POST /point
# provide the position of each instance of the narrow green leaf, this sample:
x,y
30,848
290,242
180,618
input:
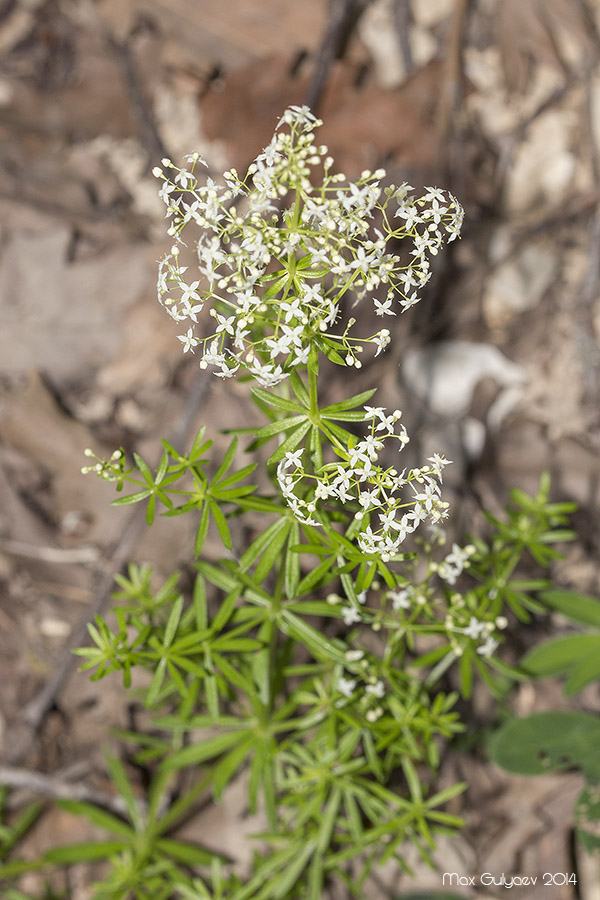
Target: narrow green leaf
x,y
221,524
292,561
277,427
212,696
230,764
290,876
202,751
353,815
290,443
199,602
202,530
227,460
173,621
315,878
97,816
225,610
232,675
314,608
350,416
272,552
144,468
75,853
299,388
150,509
466,672
261,542
313,578
372,756
328,819
350,403
159,677
234,478
119,777
275,401
199,445
182,851
131,498
310,637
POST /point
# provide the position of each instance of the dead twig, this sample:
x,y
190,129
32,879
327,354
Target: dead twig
x,y
588,347
34,713
343,16
59,788
142,108
59,555
452,83
402,20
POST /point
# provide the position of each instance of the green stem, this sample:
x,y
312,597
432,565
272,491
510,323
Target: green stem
x,y
313,374
274,631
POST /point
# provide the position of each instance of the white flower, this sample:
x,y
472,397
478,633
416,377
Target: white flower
x,y
474,629
346,686
381,340
377,689
401,599
385,308
350,615
488,648
188,340
293,458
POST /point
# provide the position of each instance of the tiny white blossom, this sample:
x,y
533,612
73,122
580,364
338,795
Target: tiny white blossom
x,y
350,615
346,686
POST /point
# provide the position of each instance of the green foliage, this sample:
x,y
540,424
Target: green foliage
x,y
558,740
258,670
324,652
577,655
553,742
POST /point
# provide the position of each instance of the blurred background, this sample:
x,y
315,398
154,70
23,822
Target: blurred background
x,y
498,366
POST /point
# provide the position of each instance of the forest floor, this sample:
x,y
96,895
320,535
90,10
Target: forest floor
x,y
498,367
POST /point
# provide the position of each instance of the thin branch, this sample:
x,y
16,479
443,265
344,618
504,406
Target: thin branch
x,y
343,16
59,555
453,78
402,21
142,108
59,788
36,710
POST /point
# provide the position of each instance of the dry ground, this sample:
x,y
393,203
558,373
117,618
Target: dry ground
x,y
499,366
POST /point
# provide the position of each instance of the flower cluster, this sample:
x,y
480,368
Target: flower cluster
x,y
455,563
108,469
362,683
397,502
276,253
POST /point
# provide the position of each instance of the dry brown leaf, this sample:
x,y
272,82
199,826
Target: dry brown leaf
x,y
539,31
365,126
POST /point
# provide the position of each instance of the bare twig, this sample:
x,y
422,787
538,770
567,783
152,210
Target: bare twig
x,y
143,110
35,711
452,82
58,555
402,21
59,788
588,347
344,14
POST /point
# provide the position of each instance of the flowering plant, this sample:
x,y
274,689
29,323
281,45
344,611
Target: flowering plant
x,y
313,658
